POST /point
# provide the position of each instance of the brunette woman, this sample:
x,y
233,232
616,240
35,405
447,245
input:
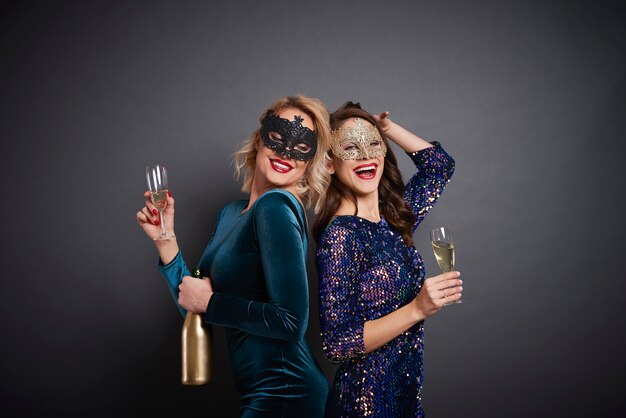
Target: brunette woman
x,y
373,297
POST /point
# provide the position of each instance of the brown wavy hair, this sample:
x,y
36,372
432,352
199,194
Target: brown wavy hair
x,y
390,189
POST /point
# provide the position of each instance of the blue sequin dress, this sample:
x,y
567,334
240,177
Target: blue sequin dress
x,y
366,272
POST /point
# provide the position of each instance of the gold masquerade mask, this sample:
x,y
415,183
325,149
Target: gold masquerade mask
x,y
361,141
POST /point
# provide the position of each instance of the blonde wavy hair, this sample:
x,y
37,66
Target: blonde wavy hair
x,y
313,184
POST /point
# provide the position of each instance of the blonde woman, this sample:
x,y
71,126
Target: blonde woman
x,y
256,279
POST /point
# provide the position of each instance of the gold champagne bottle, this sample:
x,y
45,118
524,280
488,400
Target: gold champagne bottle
x,y
197,353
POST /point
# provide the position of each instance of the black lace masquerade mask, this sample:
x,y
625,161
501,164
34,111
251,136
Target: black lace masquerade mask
x,y
288,138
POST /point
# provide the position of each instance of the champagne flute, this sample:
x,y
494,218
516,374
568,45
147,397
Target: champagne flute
x,y
157,185
443,247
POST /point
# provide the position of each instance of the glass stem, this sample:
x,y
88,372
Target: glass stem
x,y
162,223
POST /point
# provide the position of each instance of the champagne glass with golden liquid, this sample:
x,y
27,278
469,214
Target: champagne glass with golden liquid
x,y
443,247
156,175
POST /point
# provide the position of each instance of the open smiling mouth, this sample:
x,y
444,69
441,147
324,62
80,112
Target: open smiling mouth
x,y
366,171
280,165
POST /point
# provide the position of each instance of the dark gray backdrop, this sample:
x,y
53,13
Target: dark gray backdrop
x,y
528,96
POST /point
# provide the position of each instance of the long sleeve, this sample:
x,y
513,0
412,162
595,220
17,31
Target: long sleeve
x,y
434,170
338,268
174,271
281,238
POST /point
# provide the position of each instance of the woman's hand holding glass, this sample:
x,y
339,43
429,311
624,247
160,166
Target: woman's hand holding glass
x,y
157,222
149,220
159,196
437,292
444,250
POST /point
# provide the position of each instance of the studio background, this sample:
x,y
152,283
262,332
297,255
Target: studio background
x,y
527,96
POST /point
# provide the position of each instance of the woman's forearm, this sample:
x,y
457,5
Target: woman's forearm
x,y
407,140
167,249
379,332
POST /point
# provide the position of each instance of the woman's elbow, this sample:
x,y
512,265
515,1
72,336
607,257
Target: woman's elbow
x,y
333,355
337,351
289,328
293,333
450,166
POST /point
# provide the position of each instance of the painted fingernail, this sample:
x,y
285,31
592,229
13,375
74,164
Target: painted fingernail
x,y
156,222
154,211
169,193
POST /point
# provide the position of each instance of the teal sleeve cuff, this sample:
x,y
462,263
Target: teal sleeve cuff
x,y
173,272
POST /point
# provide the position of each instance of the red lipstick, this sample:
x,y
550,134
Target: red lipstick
x,y
280,166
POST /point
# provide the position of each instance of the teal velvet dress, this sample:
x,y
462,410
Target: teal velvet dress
x,y
257,264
